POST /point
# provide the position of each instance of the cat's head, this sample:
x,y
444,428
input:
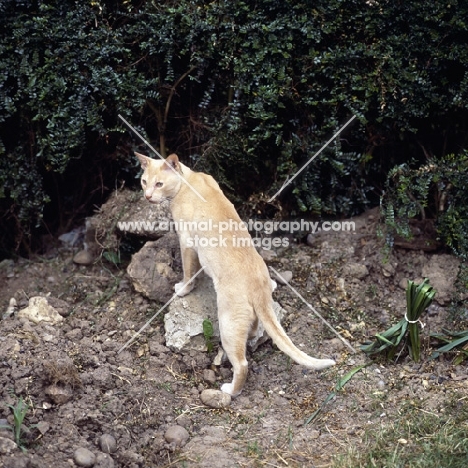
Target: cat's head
x,y
161,179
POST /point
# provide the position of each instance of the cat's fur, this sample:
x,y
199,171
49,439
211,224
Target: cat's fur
x,y
240,276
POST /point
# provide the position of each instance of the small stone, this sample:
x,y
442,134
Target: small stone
x,y
59,395
84,257
107,443
215,398
380,384
43,427
283,277
388,269
104,460
209,376
355,270
176,435
7,446
84,457
403,284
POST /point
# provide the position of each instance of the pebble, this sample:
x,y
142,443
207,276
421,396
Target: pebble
x,y
209,376
84,457
215,398
107,443
176,435
104,460
84,257
355,270
7,446
284,277
59,395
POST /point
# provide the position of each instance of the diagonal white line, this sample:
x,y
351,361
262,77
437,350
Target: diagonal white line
x,y
138,333
134,130
298,294
288,181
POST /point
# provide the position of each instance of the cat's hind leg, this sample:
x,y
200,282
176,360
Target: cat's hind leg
x,y
235,326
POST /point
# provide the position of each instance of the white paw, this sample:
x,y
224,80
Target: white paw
x,y
227,388
273,285
182,289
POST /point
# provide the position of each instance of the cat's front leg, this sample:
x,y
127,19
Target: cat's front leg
x,y
191,266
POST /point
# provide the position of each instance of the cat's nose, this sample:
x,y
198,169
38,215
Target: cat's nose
x,y
148,196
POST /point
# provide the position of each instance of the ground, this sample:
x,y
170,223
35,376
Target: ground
x,y
79,388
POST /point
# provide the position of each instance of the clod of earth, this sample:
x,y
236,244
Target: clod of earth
x,y
176,435
215,398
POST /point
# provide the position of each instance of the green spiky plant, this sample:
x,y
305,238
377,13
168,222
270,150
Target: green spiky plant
x,y
19,413
418,299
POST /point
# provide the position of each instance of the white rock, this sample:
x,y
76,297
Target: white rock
x,y
184,321
39,310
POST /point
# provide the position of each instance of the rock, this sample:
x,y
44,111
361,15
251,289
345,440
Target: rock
x,y
84,257
355,270
59,395
151,221
84,457
403,283
39,310
215,398
104,460
107,443
389,269
284,277
7,446
176,435
184,321
150,269
209,376
11,309
43,427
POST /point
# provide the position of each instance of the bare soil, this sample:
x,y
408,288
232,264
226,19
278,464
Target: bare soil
x,y
135,396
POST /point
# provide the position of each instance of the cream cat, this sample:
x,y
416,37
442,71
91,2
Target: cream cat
x,y
240,276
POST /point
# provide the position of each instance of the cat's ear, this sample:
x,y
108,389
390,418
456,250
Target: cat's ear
x,y
144,160
173,161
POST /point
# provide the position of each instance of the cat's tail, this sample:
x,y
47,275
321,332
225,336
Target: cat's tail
x,y
264,309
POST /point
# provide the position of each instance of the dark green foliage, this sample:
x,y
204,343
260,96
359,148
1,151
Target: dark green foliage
x,y
246,91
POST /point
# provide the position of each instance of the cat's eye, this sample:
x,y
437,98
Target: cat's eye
x,y
143,181
159,184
